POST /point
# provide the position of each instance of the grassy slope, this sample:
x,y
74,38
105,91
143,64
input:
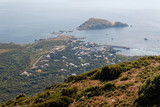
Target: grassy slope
x,y
122,88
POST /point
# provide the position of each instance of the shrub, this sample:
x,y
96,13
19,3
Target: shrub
x,y
2,105
126,66
124,78
19,101
129,84
41,97
69,91
109,86
63,101
156,69
75,78
136,64
144,61
90,73
20,96
108,72
90,92
129,72
57,85
123,87
149,91
9,102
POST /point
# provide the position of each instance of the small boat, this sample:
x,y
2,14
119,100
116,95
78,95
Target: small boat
x,y
127,48
70,30
145,39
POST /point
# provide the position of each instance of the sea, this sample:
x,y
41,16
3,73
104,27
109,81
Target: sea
x,y
24,21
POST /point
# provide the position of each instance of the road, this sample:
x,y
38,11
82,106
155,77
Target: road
x,y
34,65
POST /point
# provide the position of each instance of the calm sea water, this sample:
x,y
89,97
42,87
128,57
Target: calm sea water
x,y
24,21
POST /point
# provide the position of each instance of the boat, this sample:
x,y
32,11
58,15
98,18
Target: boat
x,y
145,39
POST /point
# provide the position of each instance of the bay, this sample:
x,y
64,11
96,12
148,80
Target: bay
x,y
24,21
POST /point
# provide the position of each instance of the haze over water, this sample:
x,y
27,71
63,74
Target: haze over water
x,y
23,21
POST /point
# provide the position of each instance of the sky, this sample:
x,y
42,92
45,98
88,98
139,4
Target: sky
x,y
36,10
74,7
46,15
88,4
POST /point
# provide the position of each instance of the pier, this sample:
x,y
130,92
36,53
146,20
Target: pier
x,y
116,46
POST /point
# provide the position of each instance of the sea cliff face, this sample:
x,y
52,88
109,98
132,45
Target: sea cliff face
x,y
96,24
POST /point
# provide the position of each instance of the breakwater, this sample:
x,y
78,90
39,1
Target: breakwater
x,y
116,46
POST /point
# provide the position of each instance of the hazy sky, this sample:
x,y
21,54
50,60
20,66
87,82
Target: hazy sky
x,y
46,15
80,9
89,4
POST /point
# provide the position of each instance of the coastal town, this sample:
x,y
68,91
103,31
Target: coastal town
x,y
74,58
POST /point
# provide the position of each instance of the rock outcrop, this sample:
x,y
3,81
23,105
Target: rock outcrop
x,y
96,24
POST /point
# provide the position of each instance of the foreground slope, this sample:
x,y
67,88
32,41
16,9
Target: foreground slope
x,y
134,83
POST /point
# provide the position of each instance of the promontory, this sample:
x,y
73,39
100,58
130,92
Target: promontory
x,y
96,24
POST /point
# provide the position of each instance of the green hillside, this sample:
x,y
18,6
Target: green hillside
x,y
30,68
130,84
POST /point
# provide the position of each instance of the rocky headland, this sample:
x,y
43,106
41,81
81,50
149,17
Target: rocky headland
x,y
97,24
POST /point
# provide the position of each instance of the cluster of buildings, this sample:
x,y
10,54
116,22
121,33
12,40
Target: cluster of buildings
x,y
78,51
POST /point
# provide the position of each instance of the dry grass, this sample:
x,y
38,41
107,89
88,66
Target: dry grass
x,y
87,83
119,96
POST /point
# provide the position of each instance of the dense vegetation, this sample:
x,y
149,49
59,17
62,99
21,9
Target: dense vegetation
x,y
16,62
134,83
11,64
149,91
108,72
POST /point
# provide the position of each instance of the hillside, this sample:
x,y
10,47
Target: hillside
x,y
96,24
134,83
30,68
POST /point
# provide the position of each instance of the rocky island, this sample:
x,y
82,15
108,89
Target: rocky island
x,y
96,24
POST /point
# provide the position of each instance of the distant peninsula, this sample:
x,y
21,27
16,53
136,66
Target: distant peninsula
x,y
97,24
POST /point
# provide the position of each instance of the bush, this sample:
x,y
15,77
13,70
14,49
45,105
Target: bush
x,y
41,97
156,68
90,73
145,61
109,86
20,96
20,101
75,78
123,87
108,72
9,102
126,66
69,91
124,78
90,92
63,101
149,91
56,85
